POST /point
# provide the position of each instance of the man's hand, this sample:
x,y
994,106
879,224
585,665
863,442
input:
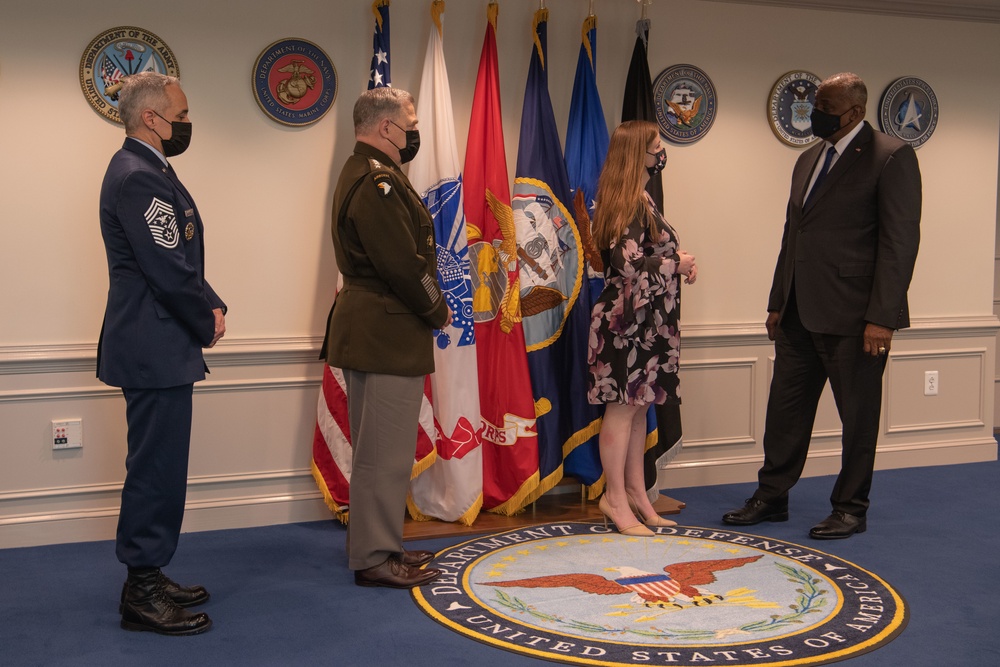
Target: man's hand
x,y
878,339
220,326
772,324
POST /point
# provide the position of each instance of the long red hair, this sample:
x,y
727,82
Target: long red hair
x,y
620,188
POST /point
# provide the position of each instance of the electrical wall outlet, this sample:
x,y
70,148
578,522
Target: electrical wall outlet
x,y
930,383
67,434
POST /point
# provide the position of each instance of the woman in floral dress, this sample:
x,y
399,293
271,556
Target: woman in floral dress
x,y
634,334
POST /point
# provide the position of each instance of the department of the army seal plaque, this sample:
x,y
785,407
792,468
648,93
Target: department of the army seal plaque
x,y
909,110
294,82
790,105
685,103
113,55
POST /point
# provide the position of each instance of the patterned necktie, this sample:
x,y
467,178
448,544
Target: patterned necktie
x,y
822,176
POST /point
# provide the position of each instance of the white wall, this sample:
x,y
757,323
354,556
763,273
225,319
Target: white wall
x,y
265,192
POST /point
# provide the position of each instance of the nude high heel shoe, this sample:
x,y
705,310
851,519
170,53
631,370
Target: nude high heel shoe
x,y
656,522
635,530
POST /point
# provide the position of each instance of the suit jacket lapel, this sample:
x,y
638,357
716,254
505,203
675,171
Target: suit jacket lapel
x,y
803,178
851,154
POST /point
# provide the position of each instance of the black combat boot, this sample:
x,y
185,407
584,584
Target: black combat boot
x,y
147,606
183,596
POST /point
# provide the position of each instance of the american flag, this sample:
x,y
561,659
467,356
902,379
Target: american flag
x,y
380,46
110,73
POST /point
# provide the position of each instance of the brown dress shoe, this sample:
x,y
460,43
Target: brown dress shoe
x,y
394,573
417,558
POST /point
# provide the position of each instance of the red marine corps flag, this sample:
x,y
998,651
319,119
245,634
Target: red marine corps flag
x,y
510,443
331,450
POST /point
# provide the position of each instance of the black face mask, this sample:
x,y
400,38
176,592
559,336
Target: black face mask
x,y
180,138
661,161
409,151
825,125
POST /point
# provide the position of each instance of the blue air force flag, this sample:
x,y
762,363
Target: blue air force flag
x,y
586,148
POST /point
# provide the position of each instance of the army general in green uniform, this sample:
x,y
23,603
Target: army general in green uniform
x,y
381,331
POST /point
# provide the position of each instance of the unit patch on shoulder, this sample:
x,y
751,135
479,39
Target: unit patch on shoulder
x,y
162,223
384,184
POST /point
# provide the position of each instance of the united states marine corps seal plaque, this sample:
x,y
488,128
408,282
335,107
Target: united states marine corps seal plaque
x,y
685,102
909,110
113,55
790,105
294,82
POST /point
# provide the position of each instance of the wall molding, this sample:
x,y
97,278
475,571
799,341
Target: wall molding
x,y
963,10
204,387
81,357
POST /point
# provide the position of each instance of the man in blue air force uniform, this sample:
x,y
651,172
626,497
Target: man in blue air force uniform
x,y
160,314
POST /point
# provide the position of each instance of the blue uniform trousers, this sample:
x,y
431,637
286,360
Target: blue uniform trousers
x,y
159,438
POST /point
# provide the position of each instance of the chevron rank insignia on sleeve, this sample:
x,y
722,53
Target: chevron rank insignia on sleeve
x,y
162,223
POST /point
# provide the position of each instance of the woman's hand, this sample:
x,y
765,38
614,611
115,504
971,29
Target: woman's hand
x,y
686,266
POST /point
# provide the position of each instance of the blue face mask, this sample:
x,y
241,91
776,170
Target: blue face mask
x,y
661,161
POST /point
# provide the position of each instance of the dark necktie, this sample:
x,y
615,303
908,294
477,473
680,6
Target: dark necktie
x,y
822,176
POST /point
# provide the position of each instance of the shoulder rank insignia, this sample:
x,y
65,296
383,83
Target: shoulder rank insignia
x,y
384,184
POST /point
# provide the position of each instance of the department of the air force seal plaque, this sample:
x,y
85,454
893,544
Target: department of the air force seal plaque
x,y
294,82
685,102
113,55
909,110
790,105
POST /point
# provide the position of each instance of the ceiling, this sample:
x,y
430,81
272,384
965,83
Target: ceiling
x,y
982,11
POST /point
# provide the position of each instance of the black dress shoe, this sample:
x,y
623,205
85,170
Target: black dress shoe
x,y
838,526
148,607
417,558
394,573
183,596
755,511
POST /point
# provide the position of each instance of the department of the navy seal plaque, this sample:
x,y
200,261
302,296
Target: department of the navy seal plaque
x,y
790,105
294,82
113,55
909,110
685,102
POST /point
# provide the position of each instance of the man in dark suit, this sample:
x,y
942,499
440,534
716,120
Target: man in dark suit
x,y
160,313
850,242
381,329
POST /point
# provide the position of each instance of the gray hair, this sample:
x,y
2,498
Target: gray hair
x,y
378,103
851,86
141,91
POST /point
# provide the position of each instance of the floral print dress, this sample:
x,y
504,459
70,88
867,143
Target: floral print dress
x,y
634,335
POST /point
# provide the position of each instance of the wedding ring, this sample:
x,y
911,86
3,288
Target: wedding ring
x,y
881,350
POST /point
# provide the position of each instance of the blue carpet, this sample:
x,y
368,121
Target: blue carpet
x,y
283,595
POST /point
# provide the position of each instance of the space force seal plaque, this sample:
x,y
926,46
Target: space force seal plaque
x,y
294,82
790,105
113,55
908,110
685,102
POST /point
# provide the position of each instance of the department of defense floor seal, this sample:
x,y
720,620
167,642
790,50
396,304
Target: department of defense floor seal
x,y
294,82
790,105
908,110
584,594
685,102
113,55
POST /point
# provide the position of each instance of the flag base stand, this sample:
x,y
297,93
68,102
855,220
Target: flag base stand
x,y
562,503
